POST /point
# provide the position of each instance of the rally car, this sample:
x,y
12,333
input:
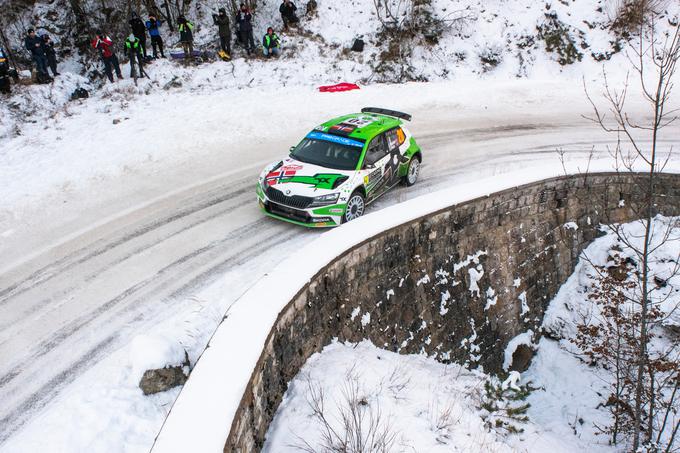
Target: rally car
x,y
340,167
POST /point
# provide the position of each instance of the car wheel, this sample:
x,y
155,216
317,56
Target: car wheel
x,y
355,207
413,171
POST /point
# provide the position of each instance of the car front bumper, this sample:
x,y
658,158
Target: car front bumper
x,y
321,217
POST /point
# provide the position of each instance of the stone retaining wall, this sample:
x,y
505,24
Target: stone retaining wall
x,y
458,284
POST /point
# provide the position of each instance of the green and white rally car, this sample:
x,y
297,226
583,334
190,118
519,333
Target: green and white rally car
x,y
339,168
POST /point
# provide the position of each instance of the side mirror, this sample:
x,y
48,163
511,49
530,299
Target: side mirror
x,y
292,148
404,159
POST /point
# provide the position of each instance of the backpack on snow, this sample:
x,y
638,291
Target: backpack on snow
x,y
358,45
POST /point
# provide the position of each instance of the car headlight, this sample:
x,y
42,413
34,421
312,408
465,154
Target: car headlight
x,y
325,200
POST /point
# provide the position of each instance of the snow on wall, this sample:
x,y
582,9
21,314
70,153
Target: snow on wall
x,y
525,338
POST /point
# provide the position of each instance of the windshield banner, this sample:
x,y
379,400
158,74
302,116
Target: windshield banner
x,y
335,139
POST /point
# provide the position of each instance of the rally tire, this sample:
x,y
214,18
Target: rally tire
x,y
413,171
356,205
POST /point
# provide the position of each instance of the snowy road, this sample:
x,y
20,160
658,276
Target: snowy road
x,y
83,278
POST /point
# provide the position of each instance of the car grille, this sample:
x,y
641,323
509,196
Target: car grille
x,y
296,201
289,213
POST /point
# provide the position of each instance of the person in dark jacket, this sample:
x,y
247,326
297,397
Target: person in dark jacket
x,y
34,45
186,36
50,53
133,49
271,44
244,22
222,22
104,45
287,10
156,41
139,30
5,86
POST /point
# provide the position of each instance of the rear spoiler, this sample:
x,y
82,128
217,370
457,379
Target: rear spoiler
x,y
394,113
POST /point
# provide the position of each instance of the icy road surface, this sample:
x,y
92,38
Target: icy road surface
x,y
107,230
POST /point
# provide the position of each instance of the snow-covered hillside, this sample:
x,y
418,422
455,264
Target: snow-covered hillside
x,y
495,40
428,406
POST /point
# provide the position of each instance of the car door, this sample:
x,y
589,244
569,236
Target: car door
x,y
393,140
376,163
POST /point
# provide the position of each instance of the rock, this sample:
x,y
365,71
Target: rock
x,y
80,93
160,380
521,358
175,82
660,282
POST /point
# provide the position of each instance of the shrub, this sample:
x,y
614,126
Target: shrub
x,y
558,38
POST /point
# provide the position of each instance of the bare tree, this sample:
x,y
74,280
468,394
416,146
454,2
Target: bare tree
x,y
649,379
360,427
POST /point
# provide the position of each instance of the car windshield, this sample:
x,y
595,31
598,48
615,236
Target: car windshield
x,y
328,154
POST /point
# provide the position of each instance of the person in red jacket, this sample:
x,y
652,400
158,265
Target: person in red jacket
x,y
103,44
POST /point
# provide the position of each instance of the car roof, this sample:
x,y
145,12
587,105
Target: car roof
x,y
362,126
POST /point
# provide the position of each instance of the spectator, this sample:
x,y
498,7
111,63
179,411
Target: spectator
x,y
133,49
34,45
50,53
244,22
103,44
186,36
139,30
222,22
311,8
287,10
156,41
271,44
4,73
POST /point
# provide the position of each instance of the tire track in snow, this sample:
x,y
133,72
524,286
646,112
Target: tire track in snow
x,y
48,391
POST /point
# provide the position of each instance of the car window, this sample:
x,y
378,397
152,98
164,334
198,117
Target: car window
x,y
401,136
392,139
327,154
377,149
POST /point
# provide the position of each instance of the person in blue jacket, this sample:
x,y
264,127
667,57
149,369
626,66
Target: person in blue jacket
x,y
156,41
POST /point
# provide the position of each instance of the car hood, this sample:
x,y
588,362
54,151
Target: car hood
x,y
293,177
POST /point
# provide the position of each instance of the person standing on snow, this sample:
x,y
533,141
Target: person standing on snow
x,y
222,22
156,41
103,44
139,30
244,21
133,49
271,44
50,54
35,46
287,10
186,36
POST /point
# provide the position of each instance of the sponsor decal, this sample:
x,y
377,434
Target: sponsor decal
x,y
318,181
335,211
335,139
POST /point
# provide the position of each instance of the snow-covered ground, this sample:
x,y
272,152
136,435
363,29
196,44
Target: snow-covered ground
x,y
428,406
128,224
136,241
